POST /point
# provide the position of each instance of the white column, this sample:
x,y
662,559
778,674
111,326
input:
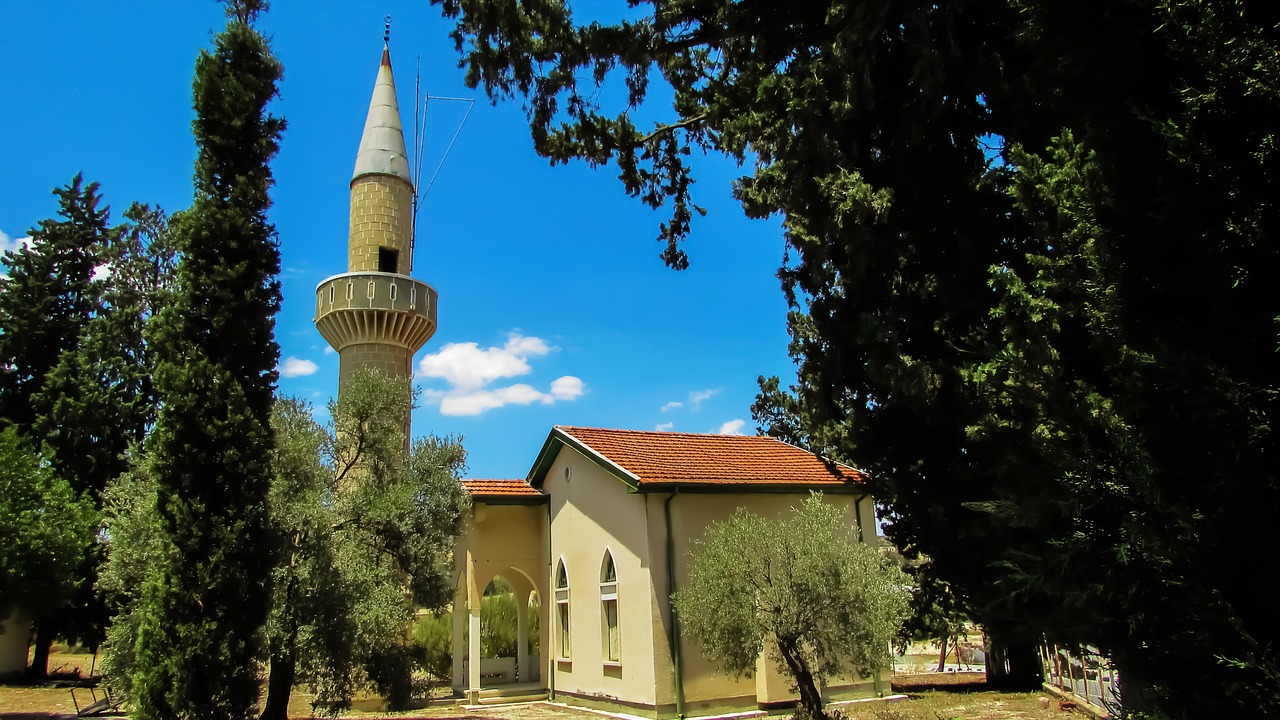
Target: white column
x,y
473,643
459,644
522,638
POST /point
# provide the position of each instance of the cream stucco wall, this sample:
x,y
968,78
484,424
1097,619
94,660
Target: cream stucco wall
x,y
591,512
505,540
705,687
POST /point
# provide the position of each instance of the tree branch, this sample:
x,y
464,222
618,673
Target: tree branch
x,y
673,126
708,37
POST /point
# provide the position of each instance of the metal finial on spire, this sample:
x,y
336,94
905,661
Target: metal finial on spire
x,y
386,33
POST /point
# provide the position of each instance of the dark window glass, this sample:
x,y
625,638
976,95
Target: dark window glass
x,y
387,260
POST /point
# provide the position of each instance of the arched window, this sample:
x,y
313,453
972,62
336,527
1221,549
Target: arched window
x,y
610,640
562,609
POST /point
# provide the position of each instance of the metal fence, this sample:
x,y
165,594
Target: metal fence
x,y
1087,675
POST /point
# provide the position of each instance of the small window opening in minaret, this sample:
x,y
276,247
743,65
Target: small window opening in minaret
x,y
387,259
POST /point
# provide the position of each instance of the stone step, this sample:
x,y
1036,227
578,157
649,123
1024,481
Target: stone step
x,y
513,694
507,699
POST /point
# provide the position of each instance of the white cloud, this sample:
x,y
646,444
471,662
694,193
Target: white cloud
x,y
475,402
664,426
697,397
467,366
297,367
470,370
10,244
732,427
567,387
328,350
671,406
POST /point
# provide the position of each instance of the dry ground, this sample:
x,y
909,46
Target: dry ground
x,y
947,696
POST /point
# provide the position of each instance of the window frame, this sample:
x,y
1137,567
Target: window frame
x,y
564,634
610,629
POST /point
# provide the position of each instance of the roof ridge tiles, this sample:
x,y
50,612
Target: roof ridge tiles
x,y
658,457
671,432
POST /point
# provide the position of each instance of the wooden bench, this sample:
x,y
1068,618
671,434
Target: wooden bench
x,y
107,703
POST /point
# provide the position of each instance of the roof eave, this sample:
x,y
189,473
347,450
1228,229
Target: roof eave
x,y
557,439
852,488
539,499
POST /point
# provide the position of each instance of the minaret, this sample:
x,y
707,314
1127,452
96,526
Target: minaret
x,y
374,314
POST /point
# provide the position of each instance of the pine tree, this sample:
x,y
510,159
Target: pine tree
x,y
77,382
1031,257
204,603
46,303
48,297
98,398
98,401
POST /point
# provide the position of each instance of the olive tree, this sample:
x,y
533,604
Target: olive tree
x,y
804,586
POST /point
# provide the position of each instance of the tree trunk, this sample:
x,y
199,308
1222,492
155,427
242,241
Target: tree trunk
x,y
45,631
942,656
279,687
810,698
1013,665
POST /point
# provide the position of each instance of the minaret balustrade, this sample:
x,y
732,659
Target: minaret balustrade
x,y
375,307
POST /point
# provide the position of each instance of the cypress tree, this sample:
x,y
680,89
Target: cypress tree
x,y
204,603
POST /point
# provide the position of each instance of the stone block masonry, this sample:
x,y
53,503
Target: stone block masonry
x,y
391,359
381,217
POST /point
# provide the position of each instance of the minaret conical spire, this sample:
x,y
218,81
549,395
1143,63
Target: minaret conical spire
x,y
382,147
375,314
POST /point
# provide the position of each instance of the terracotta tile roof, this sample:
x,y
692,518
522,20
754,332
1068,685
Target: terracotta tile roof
x,y
498,488
666,458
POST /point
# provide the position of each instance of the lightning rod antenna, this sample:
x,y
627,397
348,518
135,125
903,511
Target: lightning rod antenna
x,y
418,124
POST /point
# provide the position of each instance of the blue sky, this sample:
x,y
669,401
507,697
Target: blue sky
x,y
543,273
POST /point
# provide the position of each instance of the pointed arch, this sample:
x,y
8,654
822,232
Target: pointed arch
x,y
610,635
561,585
608,570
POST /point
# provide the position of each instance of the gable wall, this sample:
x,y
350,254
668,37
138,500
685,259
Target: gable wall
x,y
503,538
506,540
591,511
705,687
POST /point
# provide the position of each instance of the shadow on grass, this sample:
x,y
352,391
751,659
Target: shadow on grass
x,y
442,718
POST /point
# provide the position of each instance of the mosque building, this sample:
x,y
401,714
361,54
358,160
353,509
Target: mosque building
x,y
596,537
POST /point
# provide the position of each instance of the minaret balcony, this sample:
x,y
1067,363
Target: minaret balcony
x,y
375,307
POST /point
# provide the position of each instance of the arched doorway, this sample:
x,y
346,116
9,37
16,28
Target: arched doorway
x,y
506,541
509,636
510,632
